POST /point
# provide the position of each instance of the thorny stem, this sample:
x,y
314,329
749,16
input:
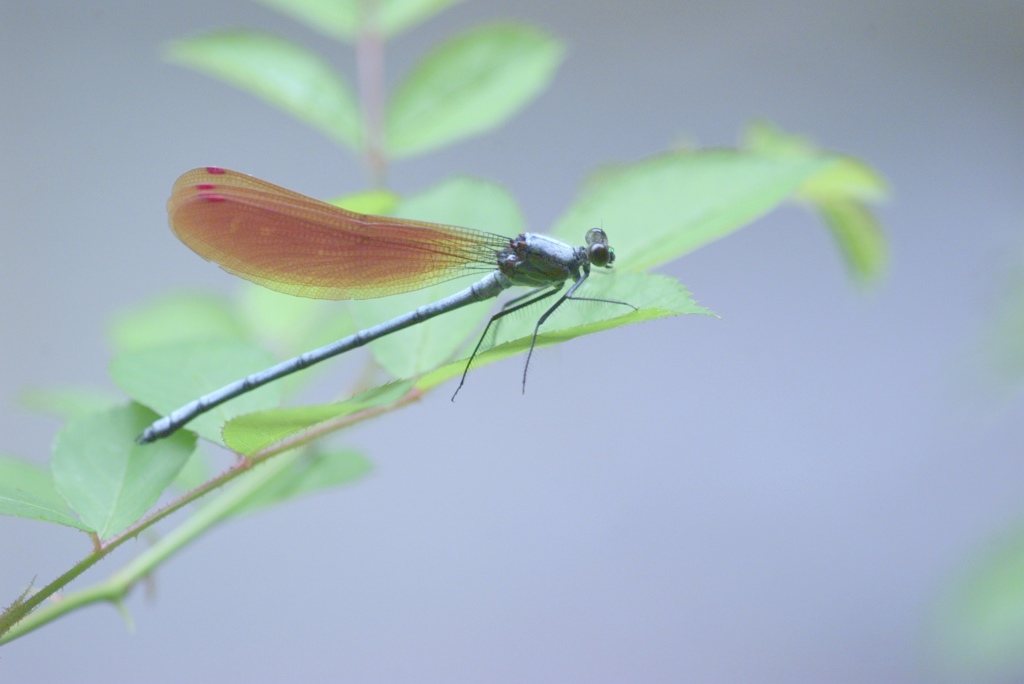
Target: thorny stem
x,y
17,621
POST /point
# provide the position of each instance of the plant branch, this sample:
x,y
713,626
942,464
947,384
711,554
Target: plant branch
x,y
22,618
370,68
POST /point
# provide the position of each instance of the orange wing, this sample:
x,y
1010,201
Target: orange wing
x,y
301,246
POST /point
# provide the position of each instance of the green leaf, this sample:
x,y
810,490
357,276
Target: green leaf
x,y
291,325
195,472
66,402
181,317
27,491
108,479
469,85
381,202
166,378
254,432
461,202
858,235
980,626
313,471
840,193
660,209
846,177
397,16
655,296
342,19
280,72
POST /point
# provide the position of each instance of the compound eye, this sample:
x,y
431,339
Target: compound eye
x,y
601,255
597,248
596,235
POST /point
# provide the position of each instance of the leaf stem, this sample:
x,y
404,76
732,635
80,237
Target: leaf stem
x,y
370,68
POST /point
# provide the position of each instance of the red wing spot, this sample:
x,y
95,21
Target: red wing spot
x,y
205,186
215,170
211,197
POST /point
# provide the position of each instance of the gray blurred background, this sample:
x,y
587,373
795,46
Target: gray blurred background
x,y
779,495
